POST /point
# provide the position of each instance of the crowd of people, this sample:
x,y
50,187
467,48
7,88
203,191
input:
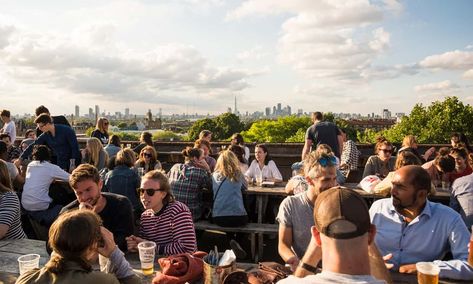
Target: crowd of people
x,y
124,196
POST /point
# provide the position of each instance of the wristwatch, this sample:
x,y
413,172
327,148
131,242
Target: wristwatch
x,y
308,267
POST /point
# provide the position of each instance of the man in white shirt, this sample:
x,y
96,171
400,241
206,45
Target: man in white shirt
x,y
9,126
341,236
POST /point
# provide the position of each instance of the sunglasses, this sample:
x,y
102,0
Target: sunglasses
x,y
149,191
147,155
386,150
105,123
327,161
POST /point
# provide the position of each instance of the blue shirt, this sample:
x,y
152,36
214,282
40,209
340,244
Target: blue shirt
x,y
229,200
436,231
63,145
124,181
461,198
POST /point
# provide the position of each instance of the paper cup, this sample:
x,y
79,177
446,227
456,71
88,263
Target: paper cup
x,y
147,250
28,262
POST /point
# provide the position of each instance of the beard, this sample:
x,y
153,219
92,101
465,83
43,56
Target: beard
x,y
400,206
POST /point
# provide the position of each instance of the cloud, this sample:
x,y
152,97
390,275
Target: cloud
x,y
444,87
5,33
451,60
255,53
468,74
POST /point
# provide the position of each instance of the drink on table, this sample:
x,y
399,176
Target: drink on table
x,y
146,251
470,254
427,273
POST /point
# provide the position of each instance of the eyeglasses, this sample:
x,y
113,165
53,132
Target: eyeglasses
x,y
40,125
149,191
327,161
386,150
148,155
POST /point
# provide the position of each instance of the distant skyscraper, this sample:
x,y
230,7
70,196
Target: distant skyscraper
x,y
127,113
267,111
229,110
91,112
279,108
77,111
386,113
289,111
274,110
97,112
235,108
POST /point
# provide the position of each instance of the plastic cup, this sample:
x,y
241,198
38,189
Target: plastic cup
x,y
28,262
427,273
141,171
470,250
147,250
103,262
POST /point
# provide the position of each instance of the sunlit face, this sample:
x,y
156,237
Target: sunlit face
x,y
205,149
156,200
454,142
460,162
31,135
384,152
105,124
324,179
403,193
260,154
88,191
147,155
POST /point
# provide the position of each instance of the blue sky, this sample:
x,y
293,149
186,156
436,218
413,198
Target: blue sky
x,y
353,56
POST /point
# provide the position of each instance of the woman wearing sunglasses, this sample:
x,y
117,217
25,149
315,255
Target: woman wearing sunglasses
x,y
383,162
101,130
165,221
148,160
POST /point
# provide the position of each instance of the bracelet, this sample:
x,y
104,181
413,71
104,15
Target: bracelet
x,y
308,267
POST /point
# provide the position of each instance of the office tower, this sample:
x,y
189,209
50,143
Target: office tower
x,y
77,111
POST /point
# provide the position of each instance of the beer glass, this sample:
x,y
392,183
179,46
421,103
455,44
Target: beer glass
x,y
146,251
427,273
470,254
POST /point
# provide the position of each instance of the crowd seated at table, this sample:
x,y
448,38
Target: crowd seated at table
x,y
164,207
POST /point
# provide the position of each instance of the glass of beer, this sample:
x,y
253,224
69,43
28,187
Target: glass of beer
x,y
146,251
427,273
470,253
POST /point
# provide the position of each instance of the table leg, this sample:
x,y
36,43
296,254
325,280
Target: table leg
x,y
259,202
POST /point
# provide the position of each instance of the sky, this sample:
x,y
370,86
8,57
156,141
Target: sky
x,y
352,56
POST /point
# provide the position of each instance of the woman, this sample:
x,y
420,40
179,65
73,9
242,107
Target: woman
x,y
146,139
462,167
101,130
263,166
148,160
240,154
383,162
441,167
409,143
113,146
189,179
205,146
94,154
237,139
40,174
77,238
459,140
10,215
165,221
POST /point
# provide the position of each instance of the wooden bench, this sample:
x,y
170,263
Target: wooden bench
x,y
250,228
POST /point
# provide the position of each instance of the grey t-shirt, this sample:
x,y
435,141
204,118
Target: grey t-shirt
x,y
296,212
461,198
332,277
324,132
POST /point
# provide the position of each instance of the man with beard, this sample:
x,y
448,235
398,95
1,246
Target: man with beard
x,y
115,210
411,229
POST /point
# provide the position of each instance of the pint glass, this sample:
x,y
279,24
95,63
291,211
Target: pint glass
x,y
427,273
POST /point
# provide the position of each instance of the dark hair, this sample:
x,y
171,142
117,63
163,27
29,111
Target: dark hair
x,y
111,163
444,160
3,147
43,118
5,113
190,153
28,131
147,138
200,142
41,109
5,135
462,152
381,140
419,178
239,138
406,158
41,153
84,172
265,149
70,236
239,152
114,140
317,116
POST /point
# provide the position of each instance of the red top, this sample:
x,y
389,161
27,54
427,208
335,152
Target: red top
x,y
455,175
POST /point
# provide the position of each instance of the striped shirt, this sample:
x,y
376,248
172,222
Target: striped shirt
x,y
10,215
172,229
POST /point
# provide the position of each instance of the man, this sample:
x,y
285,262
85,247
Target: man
x,y
461,198
8,126
15,176
343,233
59,119
296,212
322,132
13,151
411,229
60,139
115,210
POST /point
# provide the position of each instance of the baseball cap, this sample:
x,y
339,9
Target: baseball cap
x,y
341,213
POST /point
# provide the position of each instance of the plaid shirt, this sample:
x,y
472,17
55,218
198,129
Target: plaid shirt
x,y
13,153
187,182
350,156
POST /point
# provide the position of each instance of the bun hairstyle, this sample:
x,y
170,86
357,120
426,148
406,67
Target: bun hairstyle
x,y
381,140
444,160
189,153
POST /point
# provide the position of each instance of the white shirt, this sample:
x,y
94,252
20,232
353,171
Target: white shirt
x,y
269,171
332,277
39,177
12,170
10,129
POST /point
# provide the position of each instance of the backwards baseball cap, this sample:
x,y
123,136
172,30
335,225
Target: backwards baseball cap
x,y
341,213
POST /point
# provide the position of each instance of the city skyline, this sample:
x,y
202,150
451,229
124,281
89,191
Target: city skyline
x,y
192,56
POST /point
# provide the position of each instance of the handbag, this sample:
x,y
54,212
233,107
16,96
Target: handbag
x,y
214,197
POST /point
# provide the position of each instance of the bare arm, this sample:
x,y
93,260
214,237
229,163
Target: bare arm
x,y
284,246
340,145
377,264
305,151
3,230
312,257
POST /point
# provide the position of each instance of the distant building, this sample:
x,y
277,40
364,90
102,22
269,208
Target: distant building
x,y
376,124
91,113
127,113
386,114
267,111
77,114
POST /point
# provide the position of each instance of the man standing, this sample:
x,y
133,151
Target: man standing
x,y
8,126
58,119
342,233
322,132
60,139
115,210
411,229
296,212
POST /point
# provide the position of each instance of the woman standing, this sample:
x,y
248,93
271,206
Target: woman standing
x,y
101,130
263,166
94,154
148,160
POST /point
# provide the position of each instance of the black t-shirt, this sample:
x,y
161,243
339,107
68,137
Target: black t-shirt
x,y
324,132
117,217
103,137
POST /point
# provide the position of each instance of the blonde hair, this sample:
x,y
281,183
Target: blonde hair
x,y
228,165
409,141
312,161
100,124
94,148
125,157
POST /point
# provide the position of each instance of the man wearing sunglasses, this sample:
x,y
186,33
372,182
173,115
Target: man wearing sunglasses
x,y
295,215
115,210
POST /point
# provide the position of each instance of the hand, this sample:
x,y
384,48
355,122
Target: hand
x,y
408,268
203,164
85,205
343,166
132,243
17,162
293,261
108,242
386,258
